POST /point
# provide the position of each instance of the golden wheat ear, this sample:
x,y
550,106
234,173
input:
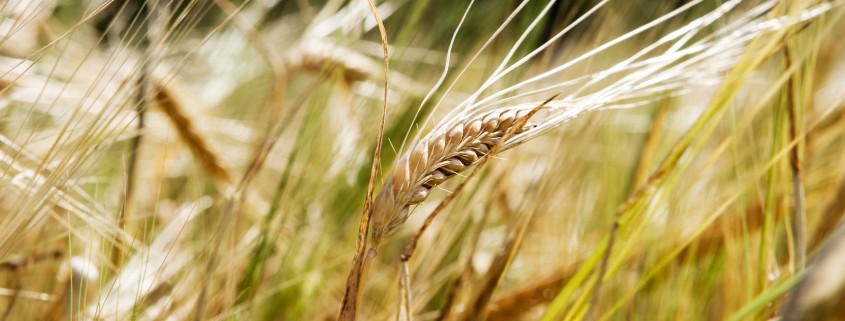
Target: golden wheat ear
x,y
436,158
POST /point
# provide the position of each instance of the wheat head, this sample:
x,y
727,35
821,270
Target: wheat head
x,y
436,158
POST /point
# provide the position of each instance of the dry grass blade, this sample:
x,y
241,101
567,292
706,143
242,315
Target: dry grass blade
x,y
142,102
405,311
353,282
799,215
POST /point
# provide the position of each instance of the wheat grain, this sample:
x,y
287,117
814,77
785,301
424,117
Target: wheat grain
x,y
436,158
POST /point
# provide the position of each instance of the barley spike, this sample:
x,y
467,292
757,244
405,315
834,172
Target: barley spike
x,y
433,160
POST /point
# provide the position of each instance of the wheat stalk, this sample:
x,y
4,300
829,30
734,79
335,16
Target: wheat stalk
x,y
436,158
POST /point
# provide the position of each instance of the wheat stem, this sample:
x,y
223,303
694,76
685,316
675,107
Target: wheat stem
x,y
798,214
354,281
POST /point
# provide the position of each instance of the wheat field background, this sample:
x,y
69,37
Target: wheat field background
x,y
422,160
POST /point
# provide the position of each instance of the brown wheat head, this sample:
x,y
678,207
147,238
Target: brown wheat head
x,y
433,160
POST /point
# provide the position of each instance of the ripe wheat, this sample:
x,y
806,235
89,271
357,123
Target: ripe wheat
x,y
436,158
